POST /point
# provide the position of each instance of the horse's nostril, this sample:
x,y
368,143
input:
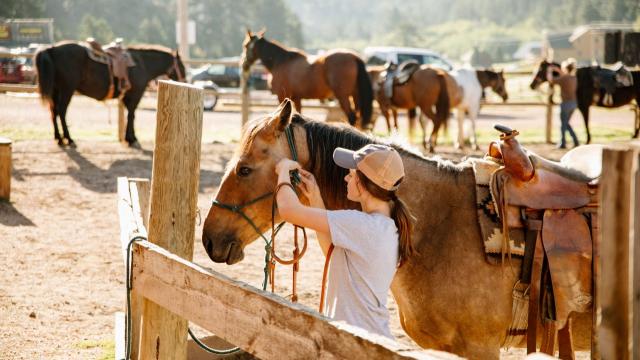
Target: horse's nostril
x,y
208,244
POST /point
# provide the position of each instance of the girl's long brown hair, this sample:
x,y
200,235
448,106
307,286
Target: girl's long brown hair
x,y
400,214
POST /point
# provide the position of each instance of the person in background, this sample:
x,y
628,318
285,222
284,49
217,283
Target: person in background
x,y
565,78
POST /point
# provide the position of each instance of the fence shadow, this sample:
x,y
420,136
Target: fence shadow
x,y
94,178
10,216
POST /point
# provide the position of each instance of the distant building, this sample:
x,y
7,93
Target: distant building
x,y
22,32
585,43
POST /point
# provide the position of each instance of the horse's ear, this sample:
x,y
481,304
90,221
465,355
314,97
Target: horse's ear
x,y
261,32
249,34
282,116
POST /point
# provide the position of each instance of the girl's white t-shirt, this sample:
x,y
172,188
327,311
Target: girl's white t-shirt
x,y
364,261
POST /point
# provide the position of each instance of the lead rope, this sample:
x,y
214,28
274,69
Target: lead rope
x,y
324,278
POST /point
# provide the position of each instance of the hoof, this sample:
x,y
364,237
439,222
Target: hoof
x,y
71,144
135,145
60,142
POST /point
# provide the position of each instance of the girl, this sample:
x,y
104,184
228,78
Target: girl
x,y
369,245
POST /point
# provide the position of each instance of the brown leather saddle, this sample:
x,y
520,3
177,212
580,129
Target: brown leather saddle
x,y
118,60
556,204
397,75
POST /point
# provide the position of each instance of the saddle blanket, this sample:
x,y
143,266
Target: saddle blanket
x,y
488,219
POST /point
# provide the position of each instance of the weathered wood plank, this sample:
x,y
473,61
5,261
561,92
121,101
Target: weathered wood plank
x,y
174,194
259,322
615,269
5,169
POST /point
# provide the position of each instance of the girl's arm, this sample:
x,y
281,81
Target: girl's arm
x,y
292,210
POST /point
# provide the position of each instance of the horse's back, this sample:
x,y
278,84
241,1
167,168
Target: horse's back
x,y
471,88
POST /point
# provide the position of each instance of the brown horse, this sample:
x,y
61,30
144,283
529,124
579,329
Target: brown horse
x,y
449,297
375,73
428,88
338,73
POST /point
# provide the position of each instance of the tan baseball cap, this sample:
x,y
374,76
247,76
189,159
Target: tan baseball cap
x,y
379,163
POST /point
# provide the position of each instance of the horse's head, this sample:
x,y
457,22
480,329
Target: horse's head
x,y
498,85
244,196
249,49
177,70
540,74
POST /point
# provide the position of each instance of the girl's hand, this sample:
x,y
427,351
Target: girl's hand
x,y
309,188
285,165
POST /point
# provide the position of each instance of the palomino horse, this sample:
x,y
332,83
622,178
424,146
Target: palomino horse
x,y
449,297
428,87
66,68
473,82
338,73
590,93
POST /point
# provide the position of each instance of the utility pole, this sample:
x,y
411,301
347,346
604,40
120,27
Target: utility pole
x,y
183,17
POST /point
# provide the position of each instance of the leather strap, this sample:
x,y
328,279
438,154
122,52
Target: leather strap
x,y
533,318
565,342
548,337
324,278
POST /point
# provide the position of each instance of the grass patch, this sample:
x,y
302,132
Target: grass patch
x,y
108,348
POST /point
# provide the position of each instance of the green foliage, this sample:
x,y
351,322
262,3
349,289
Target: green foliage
x,y
96,28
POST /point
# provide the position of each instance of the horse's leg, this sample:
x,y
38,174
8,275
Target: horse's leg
x,y
395,118
345,105
297,102
53,109
64,97
460,115
385,112
423,123
473,116
131,101
584,109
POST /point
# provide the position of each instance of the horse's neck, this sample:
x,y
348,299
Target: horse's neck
x,y
272,55
155,63
483,78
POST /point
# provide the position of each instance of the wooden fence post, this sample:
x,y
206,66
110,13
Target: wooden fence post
x,y
122,121
5,168
174,194
549,117
245,96
615,283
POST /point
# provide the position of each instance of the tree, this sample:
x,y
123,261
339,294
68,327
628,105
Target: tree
x,y
21,9
97,28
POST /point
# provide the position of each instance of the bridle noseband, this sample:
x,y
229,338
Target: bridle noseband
x,y
270,244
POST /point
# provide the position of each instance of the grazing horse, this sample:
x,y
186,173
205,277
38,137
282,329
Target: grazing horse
x,y
473,82
427,88
449,297
589,92
338,73
66,68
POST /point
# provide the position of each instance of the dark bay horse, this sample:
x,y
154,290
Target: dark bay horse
x,y
589,93
449,297
338,73
66,68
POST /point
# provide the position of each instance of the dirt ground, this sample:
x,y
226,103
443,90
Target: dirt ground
x,y
61,268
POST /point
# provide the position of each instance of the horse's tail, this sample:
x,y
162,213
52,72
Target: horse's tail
x,y
45,73
442,104
365,94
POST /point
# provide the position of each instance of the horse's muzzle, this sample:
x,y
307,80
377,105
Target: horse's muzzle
x,y
225,250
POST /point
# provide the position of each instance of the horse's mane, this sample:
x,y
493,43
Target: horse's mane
x,y
273,53
323,138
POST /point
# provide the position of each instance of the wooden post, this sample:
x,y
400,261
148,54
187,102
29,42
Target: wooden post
x,y
616,304
122,122
5,169
174,194
133,208
635,295
549,122
245,96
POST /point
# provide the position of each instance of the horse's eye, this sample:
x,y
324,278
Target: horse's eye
x,y
244,171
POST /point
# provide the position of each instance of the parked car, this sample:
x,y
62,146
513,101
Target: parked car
x,y
11,71
379,55
225,75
